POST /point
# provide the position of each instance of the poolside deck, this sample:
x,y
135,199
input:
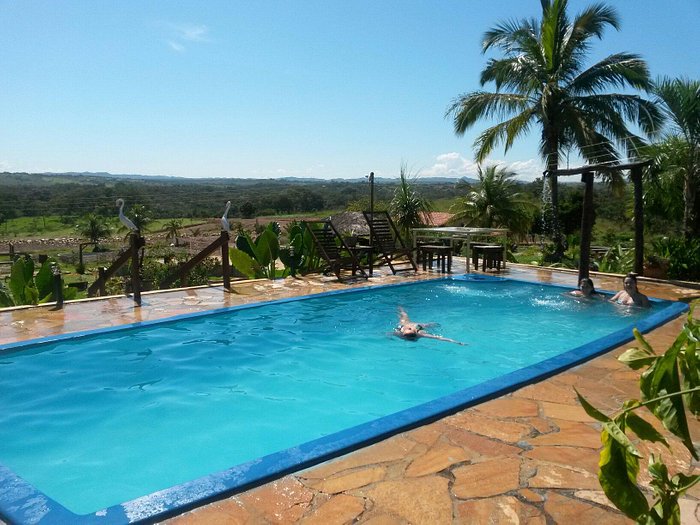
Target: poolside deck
x,y
530,456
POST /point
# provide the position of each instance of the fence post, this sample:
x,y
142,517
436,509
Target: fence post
x,y
57,286
225,264
101,278
136,242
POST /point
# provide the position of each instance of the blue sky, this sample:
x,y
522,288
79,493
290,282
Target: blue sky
x,y
326,89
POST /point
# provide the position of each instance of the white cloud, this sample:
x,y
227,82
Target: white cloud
x,y
193,33
454,164
181,34
175,46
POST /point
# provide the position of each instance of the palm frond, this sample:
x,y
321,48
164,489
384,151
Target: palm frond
x,y
617,70
506,132
468,108
680,99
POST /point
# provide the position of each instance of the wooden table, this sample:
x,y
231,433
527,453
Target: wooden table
x,y
460,233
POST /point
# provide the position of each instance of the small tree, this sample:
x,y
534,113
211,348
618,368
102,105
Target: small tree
x,y
93,227
407,205
495,203
172,230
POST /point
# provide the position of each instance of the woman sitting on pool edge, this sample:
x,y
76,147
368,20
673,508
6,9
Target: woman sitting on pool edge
x,y
411,331
586,290
630,294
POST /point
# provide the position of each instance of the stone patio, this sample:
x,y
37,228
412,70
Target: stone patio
x,y
527,457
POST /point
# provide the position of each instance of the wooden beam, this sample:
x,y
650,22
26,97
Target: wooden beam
x,y
601,167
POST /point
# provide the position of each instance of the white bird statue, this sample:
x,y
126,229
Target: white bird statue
x,y
225,226
123,218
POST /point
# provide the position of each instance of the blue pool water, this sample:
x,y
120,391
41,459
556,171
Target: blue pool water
x,y
107,417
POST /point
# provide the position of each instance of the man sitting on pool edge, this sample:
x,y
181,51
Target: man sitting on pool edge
x,y
411,331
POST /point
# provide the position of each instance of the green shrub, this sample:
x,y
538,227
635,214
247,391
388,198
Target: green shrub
x,y
683,256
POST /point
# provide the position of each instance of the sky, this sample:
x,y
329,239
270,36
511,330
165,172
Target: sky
x,y
266,89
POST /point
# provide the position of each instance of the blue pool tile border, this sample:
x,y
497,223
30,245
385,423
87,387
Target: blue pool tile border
x,y
20,502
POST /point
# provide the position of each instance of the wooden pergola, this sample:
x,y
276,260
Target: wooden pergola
x,y
587,173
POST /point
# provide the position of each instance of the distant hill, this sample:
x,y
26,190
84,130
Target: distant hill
x,y
136,176
107,175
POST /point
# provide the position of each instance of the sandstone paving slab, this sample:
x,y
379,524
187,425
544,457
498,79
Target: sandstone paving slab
x,y
571,433
381,519
282,501
530,495
338,509
541,425
502,510
420,501
569,456
392,449
509,407
501,429
479,448
488,478
564,510
349,480
428,434
227,512
436,459
553,476
690,511
548,391
596,496
567,412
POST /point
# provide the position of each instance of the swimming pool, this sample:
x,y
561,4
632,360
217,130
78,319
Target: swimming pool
x,y
73,405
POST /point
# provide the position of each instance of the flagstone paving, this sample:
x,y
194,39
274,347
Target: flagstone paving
x,y
527,457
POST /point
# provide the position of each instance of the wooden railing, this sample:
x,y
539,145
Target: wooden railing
x,y
136,242
185,268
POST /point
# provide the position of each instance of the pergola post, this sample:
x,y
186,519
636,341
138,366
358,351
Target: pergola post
x,y
586,225
636,176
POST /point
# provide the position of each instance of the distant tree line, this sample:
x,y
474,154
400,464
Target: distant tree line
x,y
32,195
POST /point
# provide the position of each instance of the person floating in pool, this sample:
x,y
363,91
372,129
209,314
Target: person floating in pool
x,y
630,294
586,290
407,329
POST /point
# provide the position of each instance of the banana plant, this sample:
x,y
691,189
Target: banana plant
x,y
24,287
300,254
670,391
257,258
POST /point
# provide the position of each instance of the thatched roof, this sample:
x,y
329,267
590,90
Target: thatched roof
x,y
350,221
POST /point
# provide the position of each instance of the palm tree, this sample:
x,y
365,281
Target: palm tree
x,y
141,217
407,205
542,82
678,156
495,203
94,227
172,229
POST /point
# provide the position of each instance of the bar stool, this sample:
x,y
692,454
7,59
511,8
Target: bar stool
x,y
441,253
492,257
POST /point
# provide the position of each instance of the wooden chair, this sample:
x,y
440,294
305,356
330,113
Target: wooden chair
x,y
387,242
331,247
